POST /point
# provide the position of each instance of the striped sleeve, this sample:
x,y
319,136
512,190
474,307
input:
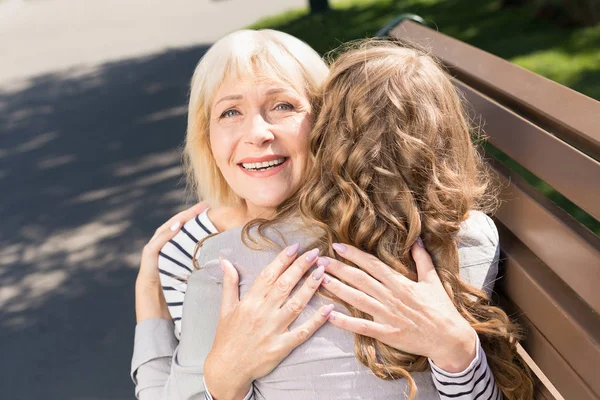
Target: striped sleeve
x,y
249,396
175,263
474,383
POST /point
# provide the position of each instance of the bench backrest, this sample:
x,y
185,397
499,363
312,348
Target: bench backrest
x,y
551,262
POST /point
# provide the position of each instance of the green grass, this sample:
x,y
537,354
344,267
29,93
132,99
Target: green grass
x,y
570,56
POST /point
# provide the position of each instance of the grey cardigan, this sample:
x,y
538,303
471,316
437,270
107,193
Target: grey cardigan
x,y
324,367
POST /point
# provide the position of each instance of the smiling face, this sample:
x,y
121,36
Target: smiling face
x,y
259,139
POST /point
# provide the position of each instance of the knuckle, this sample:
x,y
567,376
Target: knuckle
x,y
363,328
361,279
360,299
268,275
303,334
294,307
283,285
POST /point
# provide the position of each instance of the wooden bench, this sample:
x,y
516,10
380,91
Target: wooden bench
x,y
550,261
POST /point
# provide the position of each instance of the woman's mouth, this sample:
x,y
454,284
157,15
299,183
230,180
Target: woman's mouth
x,y
264,169
263,166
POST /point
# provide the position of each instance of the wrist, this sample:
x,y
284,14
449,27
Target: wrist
x,y
459,353
150,302
225,385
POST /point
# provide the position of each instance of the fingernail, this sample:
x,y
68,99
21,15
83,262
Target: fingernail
x,y
340,248
327,310
318,273
322,261
293,249
221,264
175,226
311,255
420,242
327,279
331,316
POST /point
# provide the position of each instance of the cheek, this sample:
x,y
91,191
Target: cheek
x,y
221,147
300,141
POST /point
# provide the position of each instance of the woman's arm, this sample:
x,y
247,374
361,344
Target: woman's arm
x,y
415,317
154,342
212,340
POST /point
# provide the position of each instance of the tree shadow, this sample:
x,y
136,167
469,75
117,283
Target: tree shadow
x,y
89,168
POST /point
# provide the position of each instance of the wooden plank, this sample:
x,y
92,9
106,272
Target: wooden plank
x,y
566,169
562,111
568,383
568,324
562,243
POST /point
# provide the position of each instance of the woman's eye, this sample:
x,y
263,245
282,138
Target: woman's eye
x,y
284,107
229,113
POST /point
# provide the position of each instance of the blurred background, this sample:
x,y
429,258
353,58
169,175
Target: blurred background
x,y
92,117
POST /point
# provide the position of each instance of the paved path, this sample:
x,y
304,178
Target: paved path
x,y
92,104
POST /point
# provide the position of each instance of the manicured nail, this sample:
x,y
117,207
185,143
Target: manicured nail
x,y
222,263
318,273
331,316
420,242
311,255
327,279
327,310
322,261
293,249
175,226
340,248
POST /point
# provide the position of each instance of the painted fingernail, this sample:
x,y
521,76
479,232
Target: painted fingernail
x,y
322,261
340,248
293,249
311,255
318,273
175,226
420,242
327,279
331,316
327,310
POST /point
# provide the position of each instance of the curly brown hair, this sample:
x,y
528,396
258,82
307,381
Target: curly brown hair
x,y
392,159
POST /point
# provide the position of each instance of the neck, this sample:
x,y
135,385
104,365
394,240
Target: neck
x,y
252,211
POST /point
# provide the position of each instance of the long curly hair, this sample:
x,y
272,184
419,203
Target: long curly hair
x,y
392,159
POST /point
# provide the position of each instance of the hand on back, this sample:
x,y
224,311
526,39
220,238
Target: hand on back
x,y
252,336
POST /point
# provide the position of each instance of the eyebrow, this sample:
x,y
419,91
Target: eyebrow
x,y
239,96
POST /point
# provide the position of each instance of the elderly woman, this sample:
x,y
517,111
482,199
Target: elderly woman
x,y
250,129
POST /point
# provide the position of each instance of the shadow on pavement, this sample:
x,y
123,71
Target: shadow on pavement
x,y
89,168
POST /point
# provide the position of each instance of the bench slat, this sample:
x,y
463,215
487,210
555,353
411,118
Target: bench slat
x,y
575,117
563,167
562,243
569,325
563,377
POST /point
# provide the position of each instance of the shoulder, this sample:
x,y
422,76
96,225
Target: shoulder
x,y
177,253
479,251
478,230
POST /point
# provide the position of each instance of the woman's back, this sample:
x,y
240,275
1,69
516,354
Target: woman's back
x,y
325,366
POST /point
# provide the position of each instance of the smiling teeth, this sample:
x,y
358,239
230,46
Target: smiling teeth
x,y
263,165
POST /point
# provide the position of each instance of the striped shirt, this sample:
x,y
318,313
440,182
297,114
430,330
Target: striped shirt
x,y
175,263
175,266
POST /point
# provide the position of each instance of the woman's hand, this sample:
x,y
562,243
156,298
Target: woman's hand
x,y
415,317
149,298
252,336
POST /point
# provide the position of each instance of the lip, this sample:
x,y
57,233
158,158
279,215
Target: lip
x,y
266,173
261,159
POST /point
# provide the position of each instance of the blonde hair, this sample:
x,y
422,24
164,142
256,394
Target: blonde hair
x,y
239,55
392,159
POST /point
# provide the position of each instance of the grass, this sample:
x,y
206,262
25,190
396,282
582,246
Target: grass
x,y
569,56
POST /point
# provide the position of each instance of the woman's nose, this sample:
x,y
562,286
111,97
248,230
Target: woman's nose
x,y
259,131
